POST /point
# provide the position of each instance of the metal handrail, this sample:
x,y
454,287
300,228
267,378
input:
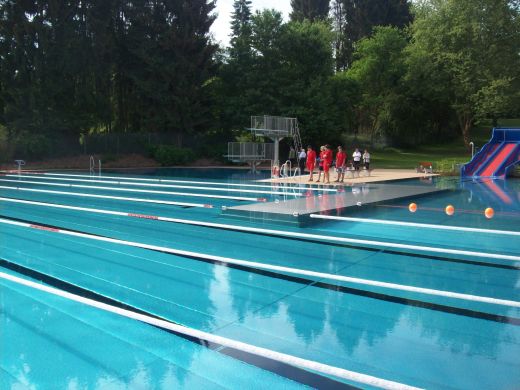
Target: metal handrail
x,y
20,164
284,173
92,165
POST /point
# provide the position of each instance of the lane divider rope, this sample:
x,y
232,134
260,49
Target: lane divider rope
x,y
137,190
414,224
160,185
85,195
181,181
272,267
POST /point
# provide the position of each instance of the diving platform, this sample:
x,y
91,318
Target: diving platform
x,y
298,211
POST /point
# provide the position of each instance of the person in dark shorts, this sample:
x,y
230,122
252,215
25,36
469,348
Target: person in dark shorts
x,y
301,160
356,157
341,158
366,159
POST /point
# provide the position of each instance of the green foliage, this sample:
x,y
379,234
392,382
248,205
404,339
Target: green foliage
x,y
473,46
169,155
311,10
449,166
355,19
82,64
380,70
6,152
32,146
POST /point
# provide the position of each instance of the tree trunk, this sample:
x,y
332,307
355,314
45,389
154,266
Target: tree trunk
x,y
465,123
465,132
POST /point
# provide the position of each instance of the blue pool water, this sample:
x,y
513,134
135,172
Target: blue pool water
x,y
409,337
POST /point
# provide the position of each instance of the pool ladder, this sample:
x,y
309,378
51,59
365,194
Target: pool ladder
x,y
20,164
93,166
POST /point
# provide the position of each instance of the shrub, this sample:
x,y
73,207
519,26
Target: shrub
x,y
6,150
168,155
32,146
449,166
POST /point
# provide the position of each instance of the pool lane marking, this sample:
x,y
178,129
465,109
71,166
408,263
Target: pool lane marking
x,y
414,224
271,267
463,211
213,338
136,190
347,290
186,181
160,185
285,233
294,373
82,194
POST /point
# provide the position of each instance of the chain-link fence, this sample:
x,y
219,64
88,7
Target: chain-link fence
x,y
39,146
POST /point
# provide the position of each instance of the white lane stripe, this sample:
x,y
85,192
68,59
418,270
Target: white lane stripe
x,y
272,267
188,181
414,224
84,195
285,233
159,185
134,190
259,351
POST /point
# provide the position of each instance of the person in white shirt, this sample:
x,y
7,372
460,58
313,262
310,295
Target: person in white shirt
x,y
366,159
356,156
301,160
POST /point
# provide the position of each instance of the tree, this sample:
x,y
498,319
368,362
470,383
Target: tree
x,y
241,19
379,70
312,10
355,19
473,46
235,74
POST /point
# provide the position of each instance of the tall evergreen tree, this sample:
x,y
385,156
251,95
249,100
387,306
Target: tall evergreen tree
x,y
241,18
236,73
309,9
355,19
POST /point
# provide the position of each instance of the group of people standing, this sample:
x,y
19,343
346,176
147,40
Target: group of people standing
x,y
308,159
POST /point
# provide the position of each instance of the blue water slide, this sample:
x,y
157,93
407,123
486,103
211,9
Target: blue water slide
x,y
497,157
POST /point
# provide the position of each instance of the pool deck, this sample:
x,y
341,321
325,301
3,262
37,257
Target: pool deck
x,y
376,175
299,210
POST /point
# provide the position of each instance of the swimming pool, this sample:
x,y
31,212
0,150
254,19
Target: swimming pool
x,y
377,297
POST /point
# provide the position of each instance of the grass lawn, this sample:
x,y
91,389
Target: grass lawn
x,y
439,154
442,156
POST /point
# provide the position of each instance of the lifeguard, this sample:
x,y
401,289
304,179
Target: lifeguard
x,y
311,162
327,162
341,158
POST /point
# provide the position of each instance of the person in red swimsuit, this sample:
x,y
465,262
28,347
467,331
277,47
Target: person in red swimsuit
x,y
327,162
341,158
311,162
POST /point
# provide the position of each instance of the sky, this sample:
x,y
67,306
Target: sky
x,y
221,27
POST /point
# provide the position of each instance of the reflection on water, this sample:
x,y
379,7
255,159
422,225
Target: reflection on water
x,y
395,341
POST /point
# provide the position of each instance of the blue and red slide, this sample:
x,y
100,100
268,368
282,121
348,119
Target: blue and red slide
x,y
497,157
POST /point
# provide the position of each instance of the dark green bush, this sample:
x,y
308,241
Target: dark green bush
x,y
168,155
32,146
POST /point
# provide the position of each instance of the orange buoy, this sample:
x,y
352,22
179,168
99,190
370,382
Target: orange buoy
x,y
489,213
450,210
412,207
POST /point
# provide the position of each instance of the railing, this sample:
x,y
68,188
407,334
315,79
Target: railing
x,y
286,169
20,164
92,168
250,151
